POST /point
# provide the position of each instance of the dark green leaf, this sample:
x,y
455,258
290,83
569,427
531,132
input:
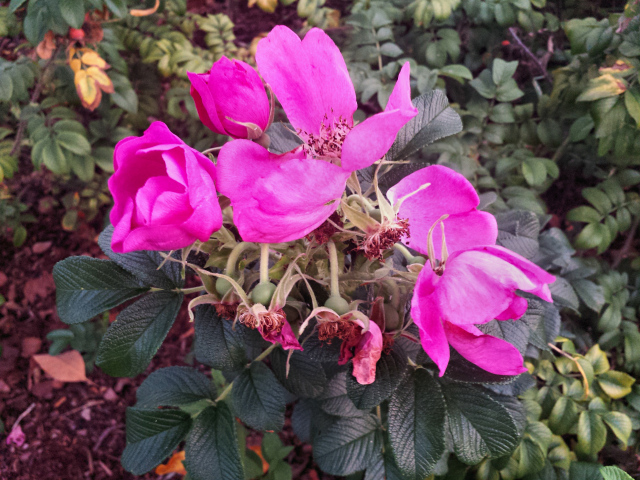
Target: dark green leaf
x,y
211,451
15,4
348,445
479,425
335,400
462,370
584,471
144,264
87,286
151,436
390,370
134,338
306,377
416,425
74,142
258,398
302,417
174,387
72,11
435,120
118,7
282,138
217,344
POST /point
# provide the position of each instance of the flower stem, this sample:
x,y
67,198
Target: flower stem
x,y
266,353
264,263
224,393
404,251
187,291
333,265
233,257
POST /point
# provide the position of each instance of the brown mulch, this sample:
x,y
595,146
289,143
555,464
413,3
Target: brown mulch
x,y
73,430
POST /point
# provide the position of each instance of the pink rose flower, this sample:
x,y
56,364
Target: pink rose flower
x,y
280,198
472,287
448,193
164,196
231,95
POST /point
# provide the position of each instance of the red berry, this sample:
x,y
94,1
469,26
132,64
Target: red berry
x,y
76,33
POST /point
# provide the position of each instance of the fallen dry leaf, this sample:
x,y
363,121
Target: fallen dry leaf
x,y
30,346
38,287
66,367
40,247
47,46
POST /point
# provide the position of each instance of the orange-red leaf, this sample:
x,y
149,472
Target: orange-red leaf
x,y
66,367
174,465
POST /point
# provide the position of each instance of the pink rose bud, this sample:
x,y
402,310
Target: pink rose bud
x,y
231,99
164,197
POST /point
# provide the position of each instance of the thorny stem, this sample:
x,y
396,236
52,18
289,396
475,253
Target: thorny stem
x,y
264,263
584,375
234,255
333,265
404,251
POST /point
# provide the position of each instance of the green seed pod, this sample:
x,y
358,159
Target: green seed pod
x,y
223,286
262,293
391,317
338,305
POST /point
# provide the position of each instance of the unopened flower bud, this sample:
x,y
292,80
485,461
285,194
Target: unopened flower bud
x,y
231,99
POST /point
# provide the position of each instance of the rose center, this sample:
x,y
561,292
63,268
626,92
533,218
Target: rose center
x,y
328,142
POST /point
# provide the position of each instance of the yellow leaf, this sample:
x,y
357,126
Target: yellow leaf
x,y
144,12
101,78
88,91
66,367
75,64
620,68
174,465
268,6
602,87
92,58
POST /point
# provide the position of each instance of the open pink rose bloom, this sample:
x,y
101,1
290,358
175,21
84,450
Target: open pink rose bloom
x,y
280,198
165,198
